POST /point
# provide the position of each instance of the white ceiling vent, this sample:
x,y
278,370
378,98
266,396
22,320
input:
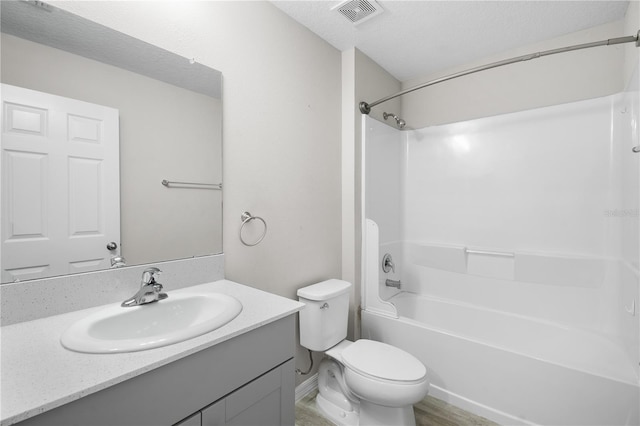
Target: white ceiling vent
x,y
358,11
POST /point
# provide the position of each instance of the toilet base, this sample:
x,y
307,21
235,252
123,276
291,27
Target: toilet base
x,y
369,415
335,413
373,414
333,400
339,405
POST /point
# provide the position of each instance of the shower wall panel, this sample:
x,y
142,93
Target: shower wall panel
x,y
552,194
536,180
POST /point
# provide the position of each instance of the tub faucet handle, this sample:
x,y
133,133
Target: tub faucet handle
x,y
387,264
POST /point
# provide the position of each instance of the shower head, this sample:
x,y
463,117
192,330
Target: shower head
x,y
399,121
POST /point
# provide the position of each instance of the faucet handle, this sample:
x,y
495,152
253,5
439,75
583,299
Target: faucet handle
x,y
149,275
387,264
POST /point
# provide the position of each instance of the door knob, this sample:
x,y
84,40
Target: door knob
x,y
112,246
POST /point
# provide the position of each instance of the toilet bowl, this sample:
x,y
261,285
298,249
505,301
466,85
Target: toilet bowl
x,y
379,381
363,382
384,374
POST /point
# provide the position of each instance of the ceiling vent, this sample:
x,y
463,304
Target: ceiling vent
x,y
358,11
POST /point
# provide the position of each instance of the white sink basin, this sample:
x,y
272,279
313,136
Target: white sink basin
x,y
180,317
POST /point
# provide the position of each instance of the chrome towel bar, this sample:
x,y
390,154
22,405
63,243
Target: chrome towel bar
x,y
169,183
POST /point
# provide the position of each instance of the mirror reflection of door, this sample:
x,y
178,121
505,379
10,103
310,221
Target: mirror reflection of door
x,y
62,225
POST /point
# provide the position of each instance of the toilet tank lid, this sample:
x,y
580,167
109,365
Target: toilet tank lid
x,y
324,290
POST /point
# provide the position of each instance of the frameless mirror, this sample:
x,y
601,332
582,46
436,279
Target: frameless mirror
x,y
93,122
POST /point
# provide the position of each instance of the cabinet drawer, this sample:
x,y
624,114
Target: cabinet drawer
x,y
265,412
214,415
252,393
265,401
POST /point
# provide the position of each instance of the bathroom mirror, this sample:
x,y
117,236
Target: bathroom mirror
x,y
167,128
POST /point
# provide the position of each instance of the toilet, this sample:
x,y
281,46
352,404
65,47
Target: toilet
x,y
363,382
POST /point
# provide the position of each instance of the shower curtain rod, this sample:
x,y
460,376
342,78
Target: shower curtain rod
x,y
365,108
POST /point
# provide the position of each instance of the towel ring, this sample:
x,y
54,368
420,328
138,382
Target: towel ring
x,y
246,218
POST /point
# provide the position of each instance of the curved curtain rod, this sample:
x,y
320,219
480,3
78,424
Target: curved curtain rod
x,y
365,108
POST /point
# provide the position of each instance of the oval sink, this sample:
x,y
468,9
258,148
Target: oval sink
x,y
180,317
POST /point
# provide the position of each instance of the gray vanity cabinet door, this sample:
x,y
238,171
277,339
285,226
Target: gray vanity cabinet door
x,y
265,401
257,403
265,412
214,415
194,420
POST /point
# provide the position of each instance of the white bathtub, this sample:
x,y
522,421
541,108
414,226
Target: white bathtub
x,y
510,368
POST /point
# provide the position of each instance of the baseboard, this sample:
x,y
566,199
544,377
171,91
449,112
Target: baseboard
x,y
306,387
476,408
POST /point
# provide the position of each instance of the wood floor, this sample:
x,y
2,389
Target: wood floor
x,y
429,412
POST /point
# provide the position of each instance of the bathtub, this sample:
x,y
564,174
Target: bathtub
x,y
511,368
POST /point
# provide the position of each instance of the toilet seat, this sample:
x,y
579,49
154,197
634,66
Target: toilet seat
x,y
379,361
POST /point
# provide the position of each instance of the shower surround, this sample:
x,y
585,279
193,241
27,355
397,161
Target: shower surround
x,y
516,239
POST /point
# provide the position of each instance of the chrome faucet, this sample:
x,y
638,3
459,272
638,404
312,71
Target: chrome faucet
x,y
118,262
150,290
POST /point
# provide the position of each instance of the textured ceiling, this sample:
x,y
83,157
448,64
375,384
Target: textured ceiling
x,y
416,38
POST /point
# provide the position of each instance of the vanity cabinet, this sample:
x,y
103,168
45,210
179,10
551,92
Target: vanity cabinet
x,y
262,402
248,379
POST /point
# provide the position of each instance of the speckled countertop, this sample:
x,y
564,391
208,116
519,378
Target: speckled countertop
x,y
38,374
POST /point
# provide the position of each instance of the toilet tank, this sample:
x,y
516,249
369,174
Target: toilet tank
x,y
323,321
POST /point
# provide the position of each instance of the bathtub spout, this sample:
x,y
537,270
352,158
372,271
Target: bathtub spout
x,y
393,283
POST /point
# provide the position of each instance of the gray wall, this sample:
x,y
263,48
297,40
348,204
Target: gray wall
x,y
362,80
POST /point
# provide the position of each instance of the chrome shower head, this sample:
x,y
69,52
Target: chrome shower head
x,y
399,121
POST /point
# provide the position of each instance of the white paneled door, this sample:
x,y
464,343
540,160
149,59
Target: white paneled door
x,y
60,185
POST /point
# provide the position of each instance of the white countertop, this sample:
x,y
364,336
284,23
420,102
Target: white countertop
x,y
38,374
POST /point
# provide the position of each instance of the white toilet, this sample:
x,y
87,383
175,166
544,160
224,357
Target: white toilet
x,y
363,382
